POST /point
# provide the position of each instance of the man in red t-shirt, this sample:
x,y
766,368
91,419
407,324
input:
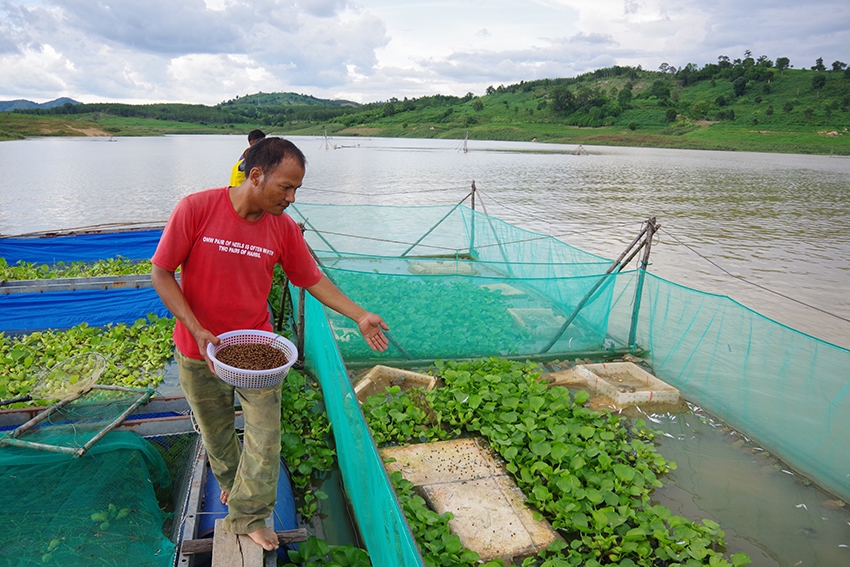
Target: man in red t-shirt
x,y
227,242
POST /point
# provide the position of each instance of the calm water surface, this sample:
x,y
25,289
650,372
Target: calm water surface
x,y
781,222
747,225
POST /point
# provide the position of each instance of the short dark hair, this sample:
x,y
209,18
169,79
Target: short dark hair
x,y
269,152
255,135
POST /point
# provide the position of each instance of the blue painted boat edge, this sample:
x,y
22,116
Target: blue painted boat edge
x,y
285,517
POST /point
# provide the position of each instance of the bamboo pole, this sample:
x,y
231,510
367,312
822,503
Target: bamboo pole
x,y
143,399
618,263
651,228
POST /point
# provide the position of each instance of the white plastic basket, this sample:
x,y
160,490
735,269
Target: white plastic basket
x,y
242,378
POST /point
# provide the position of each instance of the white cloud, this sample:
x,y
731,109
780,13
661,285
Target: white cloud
x,y
219,74
368,50
35,70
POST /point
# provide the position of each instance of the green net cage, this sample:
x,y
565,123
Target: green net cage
x,y
88,510
452,282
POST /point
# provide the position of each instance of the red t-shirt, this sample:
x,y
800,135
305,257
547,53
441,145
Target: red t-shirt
x,y
228,263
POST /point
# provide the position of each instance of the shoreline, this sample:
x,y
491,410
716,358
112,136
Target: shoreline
x,y
706,136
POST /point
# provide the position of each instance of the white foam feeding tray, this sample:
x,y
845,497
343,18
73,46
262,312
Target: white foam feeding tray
x,y
379,378
626,383
465,477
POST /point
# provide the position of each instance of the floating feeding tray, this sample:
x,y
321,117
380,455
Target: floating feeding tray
x,y
442,268
539,320
466,478
625,383
506,290
379,378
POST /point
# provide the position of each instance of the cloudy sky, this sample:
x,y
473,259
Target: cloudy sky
x,y
209,51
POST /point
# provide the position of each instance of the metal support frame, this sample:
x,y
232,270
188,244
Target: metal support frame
x,y
430,230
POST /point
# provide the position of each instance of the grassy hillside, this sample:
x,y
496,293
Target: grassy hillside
x,y
15,126
743,105
284,99
783,112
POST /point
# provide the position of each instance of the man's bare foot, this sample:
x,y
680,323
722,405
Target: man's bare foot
x,y
266,538
224,497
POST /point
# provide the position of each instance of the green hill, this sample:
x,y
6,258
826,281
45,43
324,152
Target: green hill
x,y
284,99
9,105
746,105
755,108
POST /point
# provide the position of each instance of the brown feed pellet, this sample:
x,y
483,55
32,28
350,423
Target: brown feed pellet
x,y
252,356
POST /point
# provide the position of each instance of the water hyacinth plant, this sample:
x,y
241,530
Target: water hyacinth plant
x,y
136,354
590,474
118,266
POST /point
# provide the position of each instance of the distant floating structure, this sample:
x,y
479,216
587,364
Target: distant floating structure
x,y
462,147
326,142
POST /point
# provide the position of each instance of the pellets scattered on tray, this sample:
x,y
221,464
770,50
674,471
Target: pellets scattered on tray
x,y
252,356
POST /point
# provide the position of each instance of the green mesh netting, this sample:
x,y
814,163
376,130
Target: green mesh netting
x,y
785,389
98,509
376,510
453,283
79,423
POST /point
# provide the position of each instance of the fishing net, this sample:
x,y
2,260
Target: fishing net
x,y
98,509
65,380
453,283
75,426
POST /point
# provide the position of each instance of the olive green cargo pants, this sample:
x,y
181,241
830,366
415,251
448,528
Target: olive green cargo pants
x,y
250,472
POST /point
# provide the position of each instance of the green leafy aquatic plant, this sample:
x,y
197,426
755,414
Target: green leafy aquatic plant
x,y
136,354
397,419
317,553
462,317
118,266
305,437
590,474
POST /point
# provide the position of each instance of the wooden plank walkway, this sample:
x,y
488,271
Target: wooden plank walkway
x,y
229,549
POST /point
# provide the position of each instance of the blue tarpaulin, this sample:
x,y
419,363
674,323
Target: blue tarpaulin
x,y
65,309
26,312
133,245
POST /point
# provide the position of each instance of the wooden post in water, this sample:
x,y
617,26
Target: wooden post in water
x,y
651,228
618,265
302,296
284,294
472,224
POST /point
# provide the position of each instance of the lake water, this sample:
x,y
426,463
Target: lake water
x,y
747,225
772,231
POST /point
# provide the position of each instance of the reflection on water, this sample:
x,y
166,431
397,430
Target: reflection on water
x,y
778,518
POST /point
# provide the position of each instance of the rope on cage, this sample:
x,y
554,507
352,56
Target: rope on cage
x,y
745,280
524,214
390,194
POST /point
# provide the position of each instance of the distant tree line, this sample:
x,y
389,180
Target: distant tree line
x,y
579,100
202,114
